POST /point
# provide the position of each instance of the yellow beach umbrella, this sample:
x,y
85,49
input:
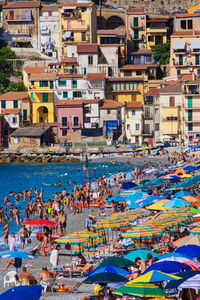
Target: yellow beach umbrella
x,y
158,205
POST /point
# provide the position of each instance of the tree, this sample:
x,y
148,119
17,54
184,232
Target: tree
x,y
162,53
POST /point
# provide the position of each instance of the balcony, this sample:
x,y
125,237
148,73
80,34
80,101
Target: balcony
x,y
72,40
157,30
16,19
18,32
45,31
71,14
147,132
76,28
148,116
139,27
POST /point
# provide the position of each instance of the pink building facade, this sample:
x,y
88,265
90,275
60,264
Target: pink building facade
x,y
69,116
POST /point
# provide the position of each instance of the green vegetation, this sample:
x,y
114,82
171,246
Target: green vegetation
x,y
162,53
9,68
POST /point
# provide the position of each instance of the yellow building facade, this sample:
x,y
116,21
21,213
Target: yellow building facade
x,y
156,32
77,24
41,92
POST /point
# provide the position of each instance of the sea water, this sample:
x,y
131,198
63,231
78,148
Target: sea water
x,y
19,177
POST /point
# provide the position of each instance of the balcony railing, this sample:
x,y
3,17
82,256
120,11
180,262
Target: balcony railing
x,y
70,125
148,116
19,19
20,32
76,28
147,132
141,27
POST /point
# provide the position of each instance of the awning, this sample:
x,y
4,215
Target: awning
x,y
195,44
68,34
179,45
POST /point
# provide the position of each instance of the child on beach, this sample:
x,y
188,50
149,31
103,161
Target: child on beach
x,y
12,242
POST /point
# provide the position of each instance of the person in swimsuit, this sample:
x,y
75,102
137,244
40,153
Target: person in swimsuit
x,y
62,222
23,236
6,232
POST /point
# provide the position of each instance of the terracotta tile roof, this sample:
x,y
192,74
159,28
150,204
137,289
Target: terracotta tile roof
x,y
76,4
172,89
142,51
187,15
138,67
11,111
93,76
157,20
69,60
35,69
87,48
23,4
136,10
119,31
153,92
108,103
70,75
42,76
127,78
181,78
186,32
134,104
54,64
49,7
11,96
70,102
92,100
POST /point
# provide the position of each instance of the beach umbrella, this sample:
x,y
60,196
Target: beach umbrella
x,y
130,200
128,185
118,198
193,264
117,261
32,292
40,222
142,290
147,201
187,183
154,276
158,205
142,253
190,199
190,168
196,231
18,254
189,240
191,283
189,250
182,194
167,266
173,284
176,202
110,269
105,277
174,254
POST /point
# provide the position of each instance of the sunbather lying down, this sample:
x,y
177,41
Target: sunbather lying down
x,y
100,293
80,264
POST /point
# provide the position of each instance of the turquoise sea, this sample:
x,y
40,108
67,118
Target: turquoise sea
x,y
16,177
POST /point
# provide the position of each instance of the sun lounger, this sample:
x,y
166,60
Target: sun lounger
x,y
82,270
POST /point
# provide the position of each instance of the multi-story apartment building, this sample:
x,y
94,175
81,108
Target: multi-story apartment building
x,y
187,21
136,28
77,24
50,30
21,23
156,32
133,122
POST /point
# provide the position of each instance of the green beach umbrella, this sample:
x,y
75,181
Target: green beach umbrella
x,y
142,289
117,261
142,253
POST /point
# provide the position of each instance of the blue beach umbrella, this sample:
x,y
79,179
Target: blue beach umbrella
x,y
189,250
111,269
173,284
147,201
25,292
105,277
117,198
176,202
18,254
190,168
168,266
128,185
182,194
132,198
174,254
142,253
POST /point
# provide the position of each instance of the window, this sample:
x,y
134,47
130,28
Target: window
x,y
190,126
172,101
138,73
156,110
137,139
50,13
62,83
64,132
183,24
74,84
148,58
15,104
128,127
197,59
45,97
127,73
76,121
147,112
178,72
65,94
44,83
32,82
83,35
147,128
51,85
133,112
84,70
108,111
189,101
3,104
150,38
190,115
77,94
64,121
137,127
135,21
45,110
180,60
198,71
90,60
190,24
157,127
14,120
25,114
136,45
136,34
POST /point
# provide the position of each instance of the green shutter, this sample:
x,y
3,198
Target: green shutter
x,y
197,59
15,104
65,94
32,82
189,115
74,84
44,83
74,94
135,21
136,45
189,101
51,85
3,104
25,114
32,95
45,97
136,33
180,60
190,127
62,83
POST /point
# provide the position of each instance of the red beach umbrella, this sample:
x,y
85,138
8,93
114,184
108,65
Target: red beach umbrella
x,y
40,222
